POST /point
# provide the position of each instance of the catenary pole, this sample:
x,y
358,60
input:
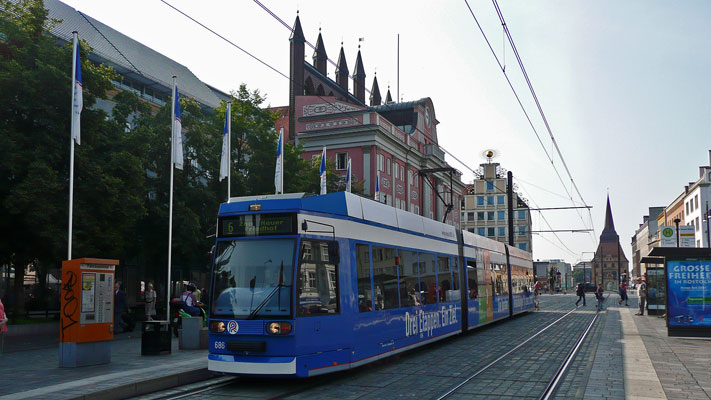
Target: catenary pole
x,y
229,147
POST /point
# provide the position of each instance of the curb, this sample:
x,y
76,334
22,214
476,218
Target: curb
x,y
147,386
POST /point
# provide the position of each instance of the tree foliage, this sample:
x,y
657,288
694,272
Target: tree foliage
x,y
122,167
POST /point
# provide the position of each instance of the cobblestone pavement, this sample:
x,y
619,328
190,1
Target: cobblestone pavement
x,y
431,371
35,373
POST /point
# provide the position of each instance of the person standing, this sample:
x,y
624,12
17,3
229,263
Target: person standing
x,y
121,318
580,291
3,325
642,291
536,292
623,294
150,302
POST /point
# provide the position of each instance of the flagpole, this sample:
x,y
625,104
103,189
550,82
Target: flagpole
x,y
71,151
170,208
229,146
281,160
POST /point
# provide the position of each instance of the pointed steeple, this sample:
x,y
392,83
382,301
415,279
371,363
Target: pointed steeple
x,y
388,98
359,78
296,72
375,93
320,58
609,233
297,34
342,70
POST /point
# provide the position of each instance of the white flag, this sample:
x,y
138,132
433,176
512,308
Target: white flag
x,y
322,171
279,170
225,159
348,176
177,137
77,97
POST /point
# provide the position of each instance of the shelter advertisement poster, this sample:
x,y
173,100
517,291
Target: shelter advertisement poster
x,y
689,293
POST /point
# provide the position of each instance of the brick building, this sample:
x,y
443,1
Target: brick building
x,y
610,260
397,141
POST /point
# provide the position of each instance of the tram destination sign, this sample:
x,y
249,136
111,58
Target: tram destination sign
x,y
257,225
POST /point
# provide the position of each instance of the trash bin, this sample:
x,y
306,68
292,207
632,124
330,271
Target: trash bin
x,y
155,338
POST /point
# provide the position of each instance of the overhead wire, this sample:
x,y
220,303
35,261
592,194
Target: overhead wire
x,y
528,118
329,102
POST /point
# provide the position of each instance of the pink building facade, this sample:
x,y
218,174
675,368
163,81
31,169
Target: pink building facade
x,y
397,141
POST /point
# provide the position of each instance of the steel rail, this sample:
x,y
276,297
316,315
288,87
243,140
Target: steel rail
x,y
553,385
479,372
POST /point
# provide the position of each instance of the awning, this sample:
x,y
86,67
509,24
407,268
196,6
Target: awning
x,y
652,260
681,253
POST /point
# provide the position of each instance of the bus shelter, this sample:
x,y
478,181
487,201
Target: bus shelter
x,y
687,272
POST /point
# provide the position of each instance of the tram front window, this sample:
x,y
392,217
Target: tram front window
x,y
253,278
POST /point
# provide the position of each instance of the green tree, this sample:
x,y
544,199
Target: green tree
x,y
35,109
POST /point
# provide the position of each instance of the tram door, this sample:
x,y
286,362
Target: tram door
x,y
318,304
472,293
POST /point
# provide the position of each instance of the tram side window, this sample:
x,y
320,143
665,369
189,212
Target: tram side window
x,y
444,276
365,299
409,287
318,280
455,276
472,279
385,278
428,279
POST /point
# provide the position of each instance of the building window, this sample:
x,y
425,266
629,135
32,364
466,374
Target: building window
x,y
341,160
480,200
696,201
470,216
500,215
490,232
480,215
502,231
388,166
499,199
481,231
417,210
409,176
687,208
521,230
522,215
522,246
490,215
489,185
381,162
490,200
697,223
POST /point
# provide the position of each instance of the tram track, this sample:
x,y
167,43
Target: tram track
x,y
560,372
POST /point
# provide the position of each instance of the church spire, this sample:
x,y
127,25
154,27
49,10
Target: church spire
x,y
342,70
375,98
320,58
609,233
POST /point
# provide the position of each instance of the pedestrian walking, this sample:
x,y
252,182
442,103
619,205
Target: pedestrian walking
x,y
642,292
580,291
600,298
536,292
150,302
623,294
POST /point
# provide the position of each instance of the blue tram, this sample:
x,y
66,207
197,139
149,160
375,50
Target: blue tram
x,y
307,285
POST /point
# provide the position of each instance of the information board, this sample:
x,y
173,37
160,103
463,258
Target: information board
x,y
258,225
689,293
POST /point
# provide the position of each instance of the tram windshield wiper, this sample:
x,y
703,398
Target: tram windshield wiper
x,y
265,301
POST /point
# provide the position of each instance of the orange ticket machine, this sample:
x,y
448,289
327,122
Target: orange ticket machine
x,y
86,312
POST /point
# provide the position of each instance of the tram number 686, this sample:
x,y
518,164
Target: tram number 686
x,y
219,345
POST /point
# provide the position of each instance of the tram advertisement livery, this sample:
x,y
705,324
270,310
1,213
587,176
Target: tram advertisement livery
x,y
306,285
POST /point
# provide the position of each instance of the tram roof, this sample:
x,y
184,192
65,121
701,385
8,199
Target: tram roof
x,y
343,204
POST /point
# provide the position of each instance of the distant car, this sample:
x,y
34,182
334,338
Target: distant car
x,y
589,287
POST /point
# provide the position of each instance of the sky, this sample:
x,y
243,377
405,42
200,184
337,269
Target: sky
x,y
624,86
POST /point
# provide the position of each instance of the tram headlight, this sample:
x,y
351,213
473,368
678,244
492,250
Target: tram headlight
x,y
279,328
217,326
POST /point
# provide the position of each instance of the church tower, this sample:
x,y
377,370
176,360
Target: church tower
x,y
609,262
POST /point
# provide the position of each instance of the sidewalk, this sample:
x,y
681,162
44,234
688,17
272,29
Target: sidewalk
x,y
637,360
34,373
